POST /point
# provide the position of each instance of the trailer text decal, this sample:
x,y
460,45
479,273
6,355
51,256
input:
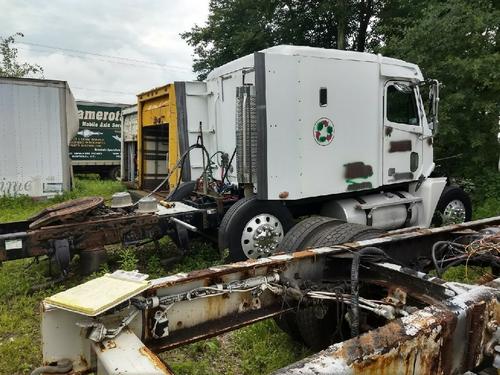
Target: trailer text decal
x,y
323,131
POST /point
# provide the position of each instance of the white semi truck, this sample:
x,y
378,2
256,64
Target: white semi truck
x,y
343,138
300,131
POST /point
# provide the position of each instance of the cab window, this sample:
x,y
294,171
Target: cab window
x,y
401,104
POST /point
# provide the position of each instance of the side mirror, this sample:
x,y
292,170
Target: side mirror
x,y
433,105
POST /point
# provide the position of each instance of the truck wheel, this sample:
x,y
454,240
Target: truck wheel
x,y
302,231
454,207
114,173
343,233
182,192
254,228
318,332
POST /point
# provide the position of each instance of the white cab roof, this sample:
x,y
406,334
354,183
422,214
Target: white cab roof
x,y
389,67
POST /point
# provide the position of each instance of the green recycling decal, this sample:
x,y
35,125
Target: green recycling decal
x,y
323,131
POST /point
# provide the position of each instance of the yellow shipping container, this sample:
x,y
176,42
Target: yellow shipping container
x,y
157,137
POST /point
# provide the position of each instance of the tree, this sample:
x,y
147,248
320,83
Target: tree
x,y
238,27
456,42
9,66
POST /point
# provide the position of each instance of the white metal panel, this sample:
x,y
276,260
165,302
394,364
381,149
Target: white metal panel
x,y
222,108
297,163
197,111
31,138
430,192
126,354
129,124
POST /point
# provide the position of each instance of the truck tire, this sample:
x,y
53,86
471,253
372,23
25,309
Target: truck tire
x,y
253,228
182,192
293,241
317,333
346,232
454,207
303,230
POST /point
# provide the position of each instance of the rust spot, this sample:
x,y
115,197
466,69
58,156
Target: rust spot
x,y
284,194
475,325
64,211
303,254
111,344
357,169
83,361
400,146
157,362
179,324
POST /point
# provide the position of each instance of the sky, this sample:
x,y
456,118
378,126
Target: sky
x,y
108,50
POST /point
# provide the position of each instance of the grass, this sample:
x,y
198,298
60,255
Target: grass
x,y
22,207
257,349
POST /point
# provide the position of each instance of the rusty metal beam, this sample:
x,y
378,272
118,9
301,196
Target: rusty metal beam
x,y
444,339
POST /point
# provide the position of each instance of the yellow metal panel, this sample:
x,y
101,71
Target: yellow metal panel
x,y
173,144
158,107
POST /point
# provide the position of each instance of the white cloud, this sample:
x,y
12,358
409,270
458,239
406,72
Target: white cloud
x,y
140,30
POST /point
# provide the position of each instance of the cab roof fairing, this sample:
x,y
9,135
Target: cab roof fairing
x,y
389,67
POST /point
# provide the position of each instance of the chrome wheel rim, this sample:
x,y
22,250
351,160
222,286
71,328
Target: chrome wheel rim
x,y
261,236
455,212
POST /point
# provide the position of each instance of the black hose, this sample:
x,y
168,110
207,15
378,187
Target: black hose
x,y
369,254
439,245
228,166
356,259
180,163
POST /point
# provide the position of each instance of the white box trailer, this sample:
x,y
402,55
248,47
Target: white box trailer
x,y
38,119
129,144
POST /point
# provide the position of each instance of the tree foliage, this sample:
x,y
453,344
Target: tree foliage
x,y
238,27
456,42
10,66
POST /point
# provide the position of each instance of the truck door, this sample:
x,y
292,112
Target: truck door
x,y
403,129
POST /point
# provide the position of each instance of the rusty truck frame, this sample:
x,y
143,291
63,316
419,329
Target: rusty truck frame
x,y
420,323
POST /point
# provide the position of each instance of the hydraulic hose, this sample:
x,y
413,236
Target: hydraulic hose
x,y
371,254
177,165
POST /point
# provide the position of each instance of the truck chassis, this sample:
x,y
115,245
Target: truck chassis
x,y
414,322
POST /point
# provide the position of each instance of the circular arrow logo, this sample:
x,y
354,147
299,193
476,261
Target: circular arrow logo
x,y
323,131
